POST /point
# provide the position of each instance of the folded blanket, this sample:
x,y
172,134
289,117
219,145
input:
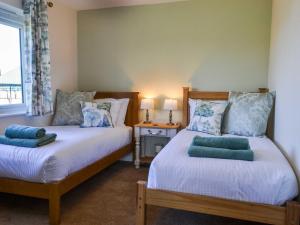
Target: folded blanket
x,y
24,132
220,153
232,143
29,143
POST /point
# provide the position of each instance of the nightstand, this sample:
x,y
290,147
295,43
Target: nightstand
x,y
150,139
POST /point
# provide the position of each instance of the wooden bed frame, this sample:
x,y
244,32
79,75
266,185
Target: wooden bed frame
x,y
54,191
288,214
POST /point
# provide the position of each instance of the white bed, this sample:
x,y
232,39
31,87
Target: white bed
x,y
74,149
268,179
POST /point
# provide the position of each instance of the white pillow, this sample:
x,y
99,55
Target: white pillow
x,y
118,109
192,104
123,111
114,110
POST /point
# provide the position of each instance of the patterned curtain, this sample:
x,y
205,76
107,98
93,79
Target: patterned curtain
x,y
37,80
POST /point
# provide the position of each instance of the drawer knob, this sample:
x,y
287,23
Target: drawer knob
x,y
158,133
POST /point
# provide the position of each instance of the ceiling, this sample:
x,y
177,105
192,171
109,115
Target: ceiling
x,y
98,4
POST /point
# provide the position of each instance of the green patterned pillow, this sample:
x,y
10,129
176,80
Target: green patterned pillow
x,y
207,117
248,113
96,114
68,110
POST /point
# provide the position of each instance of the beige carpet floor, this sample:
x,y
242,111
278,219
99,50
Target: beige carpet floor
x,y
106,199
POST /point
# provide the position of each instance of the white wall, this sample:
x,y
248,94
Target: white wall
x,y
63,47
284,77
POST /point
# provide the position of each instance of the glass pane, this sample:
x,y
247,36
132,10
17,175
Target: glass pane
x,y
10,66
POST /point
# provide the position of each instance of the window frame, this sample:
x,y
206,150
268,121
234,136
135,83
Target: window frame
x,y
14,17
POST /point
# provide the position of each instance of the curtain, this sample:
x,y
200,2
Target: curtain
x,y
37,80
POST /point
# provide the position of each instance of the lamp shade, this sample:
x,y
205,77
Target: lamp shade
x,y
170,104
147,103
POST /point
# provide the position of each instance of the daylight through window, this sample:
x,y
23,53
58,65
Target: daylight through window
x,y
10,65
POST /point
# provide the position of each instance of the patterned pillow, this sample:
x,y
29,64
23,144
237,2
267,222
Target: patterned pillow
x,y
207,117
248,113
96,114
68,110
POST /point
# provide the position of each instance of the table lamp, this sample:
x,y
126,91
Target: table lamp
x,y
146,104
170,104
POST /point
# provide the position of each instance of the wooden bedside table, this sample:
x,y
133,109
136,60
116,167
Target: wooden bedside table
x,y
160,131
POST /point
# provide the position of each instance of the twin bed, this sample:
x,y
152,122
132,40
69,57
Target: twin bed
x,y
78,154
268,180
74,149
260,191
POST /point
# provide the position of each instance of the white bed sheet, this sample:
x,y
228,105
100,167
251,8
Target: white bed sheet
x,y
268,179
74,149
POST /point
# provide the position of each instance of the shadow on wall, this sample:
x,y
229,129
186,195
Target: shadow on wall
x,y
159,102
271,121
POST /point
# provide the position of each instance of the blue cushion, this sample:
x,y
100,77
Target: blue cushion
x,y
207,116
96,114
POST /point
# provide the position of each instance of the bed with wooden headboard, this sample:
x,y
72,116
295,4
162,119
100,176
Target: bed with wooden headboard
x,y
286,214
53,191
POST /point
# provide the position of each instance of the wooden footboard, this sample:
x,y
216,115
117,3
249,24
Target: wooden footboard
x,y
54,191
263,213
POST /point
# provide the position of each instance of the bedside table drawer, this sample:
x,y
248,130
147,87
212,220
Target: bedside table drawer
x,y
150,138
154,131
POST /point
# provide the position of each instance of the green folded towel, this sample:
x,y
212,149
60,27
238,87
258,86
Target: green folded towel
x,y
29,143
232,143
24,132
220,153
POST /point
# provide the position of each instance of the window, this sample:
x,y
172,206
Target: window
x,y
10,66
11,39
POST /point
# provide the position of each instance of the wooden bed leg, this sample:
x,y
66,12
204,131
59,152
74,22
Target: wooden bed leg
x,y
141,203
293,213
54,205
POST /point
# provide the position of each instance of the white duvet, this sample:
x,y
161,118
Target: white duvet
x,y
74,149
268,179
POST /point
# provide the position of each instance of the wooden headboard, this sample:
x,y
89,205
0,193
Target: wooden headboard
x,y
206,95
132,115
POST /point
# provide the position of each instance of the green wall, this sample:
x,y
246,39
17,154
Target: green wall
x,y
157,49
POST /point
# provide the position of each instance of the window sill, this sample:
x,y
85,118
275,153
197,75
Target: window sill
x,y
12,110
5,115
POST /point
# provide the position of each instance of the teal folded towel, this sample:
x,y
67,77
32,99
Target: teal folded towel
x,y
232,143
29,143
24,132
220,153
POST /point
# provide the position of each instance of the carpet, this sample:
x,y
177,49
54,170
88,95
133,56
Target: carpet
x,y
106,199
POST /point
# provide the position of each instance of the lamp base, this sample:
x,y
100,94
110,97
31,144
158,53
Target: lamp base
x,y
147,121
170,119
